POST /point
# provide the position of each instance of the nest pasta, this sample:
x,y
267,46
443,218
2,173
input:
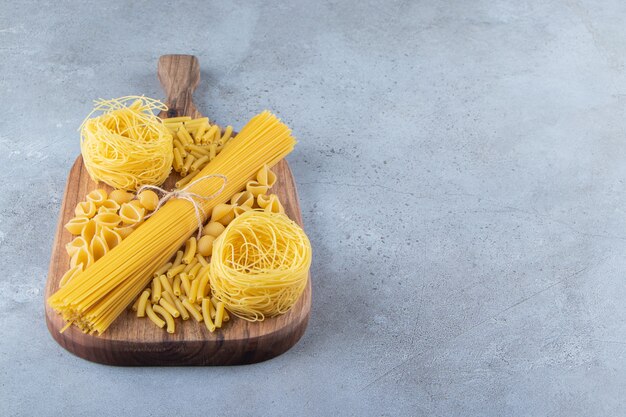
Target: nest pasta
x,y
127,146
260,265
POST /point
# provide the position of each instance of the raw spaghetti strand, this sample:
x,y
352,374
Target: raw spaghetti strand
x,y
260,265
127,146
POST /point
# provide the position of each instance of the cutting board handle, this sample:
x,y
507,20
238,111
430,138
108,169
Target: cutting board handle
x,y
179,75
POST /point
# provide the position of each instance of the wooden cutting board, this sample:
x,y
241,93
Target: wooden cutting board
x,y
133,341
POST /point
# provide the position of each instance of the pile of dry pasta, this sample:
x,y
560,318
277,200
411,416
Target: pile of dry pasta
x,y
250,260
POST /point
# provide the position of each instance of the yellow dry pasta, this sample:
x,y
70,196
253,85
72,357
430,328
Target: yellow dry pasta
x,y
110,236
244,198
223,213
97,196
121,196
205,245
162,270
156,290
152,316
131,214
213,228
107,219
180,307
192,309
176,286
73,247
89,231
76,225
169,307
148,199
190,250
260,265
143,300
86,209
165,284
219,314
98,247
71,273
175,270
97,296
82,256
206,314
126,145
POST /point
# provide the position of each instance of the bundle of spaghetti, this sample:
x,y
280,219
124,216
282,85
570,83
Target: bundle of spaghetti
x,y
96,297
127,146
260,265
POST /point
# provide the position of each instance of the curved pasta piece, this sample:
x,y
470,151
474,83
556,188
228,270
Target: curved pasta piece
x,y
148,199
86,209
76,225
222,213
75,245
70,274
244,198
262,200
98,247
98,196
239,210
256,188
107,219
124,232
88,232
121,196
82,256
110,236
273,205
266,177
213,229
108,206
131,213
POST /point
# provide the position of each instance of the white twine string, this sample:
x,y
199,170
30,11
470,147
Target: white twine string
x,y
183,194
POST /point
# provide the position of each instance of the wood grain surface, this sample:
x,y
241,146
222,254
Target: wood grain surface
x,y
134,341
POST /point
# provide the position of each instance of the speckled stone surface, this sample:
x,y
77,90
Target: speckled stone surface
x,y
462,171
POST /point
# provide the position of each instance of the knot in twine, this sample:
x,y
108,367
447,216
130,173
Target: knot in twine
x,y
184,194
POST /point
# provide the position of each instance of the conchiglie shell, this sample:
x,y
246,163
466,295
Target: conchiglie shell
x,y
70,274
131,213
86,209
213,229
107,219
148,200
121,196
262,200
75,245
239,210
124,232
76,225
89,231
274,206
266,177
98,247
82,256
97,196
256,189
111,237
222,213
244,198
109,206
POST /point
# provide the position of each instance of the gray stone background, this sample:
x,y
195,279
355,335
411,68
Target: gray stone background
x,y
461,168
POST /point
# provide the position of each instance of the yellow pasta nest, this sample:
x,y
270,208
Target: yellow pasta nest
x,y
127,146
260,265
